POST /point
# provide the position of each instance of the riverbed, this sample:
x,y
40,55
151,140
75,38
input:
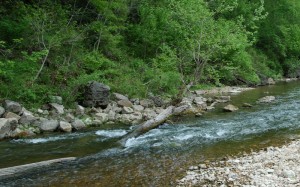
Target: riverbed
x,y
161,156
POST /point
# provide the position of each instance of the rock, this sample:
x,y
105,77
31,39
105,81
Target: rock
x,y
147,103
270,81
247,105
11,106
125,103
127,110
80,110
4,128
149,114
223,99
130,118
180,109
49,125
56,99
111,115
138,108
11,115
198,114
266,99
40,111
103,117
230,108
118,96
27,119
158,101
13,123
59,109
135,101
69,117
65,126
200,102
78,124
2,111
199,92
96,95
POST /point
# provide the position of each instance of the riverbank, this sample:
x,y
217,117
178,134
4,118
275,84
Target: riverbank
x,y
16,121
274,166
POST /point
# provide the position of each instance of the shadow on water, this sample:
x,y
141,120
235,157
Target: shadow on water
x,y
162,155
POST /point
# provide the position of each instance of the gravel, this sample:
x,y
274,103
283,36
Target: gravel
x,y
271,168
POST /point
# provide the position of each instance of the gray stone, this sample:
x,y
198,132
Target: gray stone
x,y
27,119
65,126
80,110
266,99
138,108
147,103
69,117
127,110
103,117
2,111
78,124
200,102
59,109
49,125
96,95
56,99
230,108
288,174
11,106
11,115
118,96
149,114
40,111
125,103
4,128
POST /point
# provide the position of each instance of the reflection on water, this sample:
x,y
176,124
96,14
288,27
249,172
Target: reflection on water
x,y
160,156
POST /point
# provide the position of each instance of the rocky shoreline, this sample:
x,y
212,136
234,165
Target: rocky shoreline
x,y
274,166
115,108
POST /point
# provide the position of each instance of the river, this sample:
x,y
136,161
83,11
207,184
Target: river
x,y
161,156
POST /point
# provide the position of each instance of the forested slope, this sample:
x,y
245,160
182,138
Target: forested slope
x,y
52,47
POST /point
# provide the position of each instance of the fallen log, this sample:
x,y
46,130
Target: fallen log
x,y
148,125
4,172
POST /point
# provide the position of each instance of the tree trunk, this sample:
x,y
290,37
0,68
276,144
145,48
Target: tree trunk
x,y
148,125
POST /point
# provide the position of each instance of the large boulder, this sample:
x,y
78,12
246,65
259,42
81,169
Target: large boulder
x,y
65,126
102,117
158,101
96,95
4,128
12,106
49,125
230,108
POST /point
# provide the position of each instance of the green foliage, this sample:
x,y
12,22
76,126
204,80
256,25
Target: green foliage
x,y
136,47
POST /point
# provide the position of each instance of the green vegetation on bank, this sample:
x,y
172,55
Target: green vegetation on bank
x,y
141,46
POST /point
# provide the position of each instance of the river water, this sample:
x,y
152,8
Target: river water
x,y
161,156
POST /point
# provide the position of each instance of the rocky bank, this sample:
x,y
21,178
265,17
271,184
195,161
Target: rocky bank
x,y
272,167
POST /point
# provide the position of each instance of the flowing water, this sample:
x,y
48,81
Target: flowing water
x,y
161,156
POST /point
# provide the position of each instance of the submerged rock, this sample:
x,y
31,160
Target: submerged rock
x,y
266,99
230,108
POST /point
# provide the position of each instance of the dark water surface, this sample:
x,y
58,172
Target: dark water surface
x,y
161,156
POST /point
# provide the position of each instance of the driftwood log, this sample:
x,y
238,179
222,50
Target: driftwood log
x,y
4,172
148,125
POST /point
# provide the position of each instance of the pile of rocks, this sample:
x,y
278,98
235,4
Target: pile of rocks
x,y
99,107
271,167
